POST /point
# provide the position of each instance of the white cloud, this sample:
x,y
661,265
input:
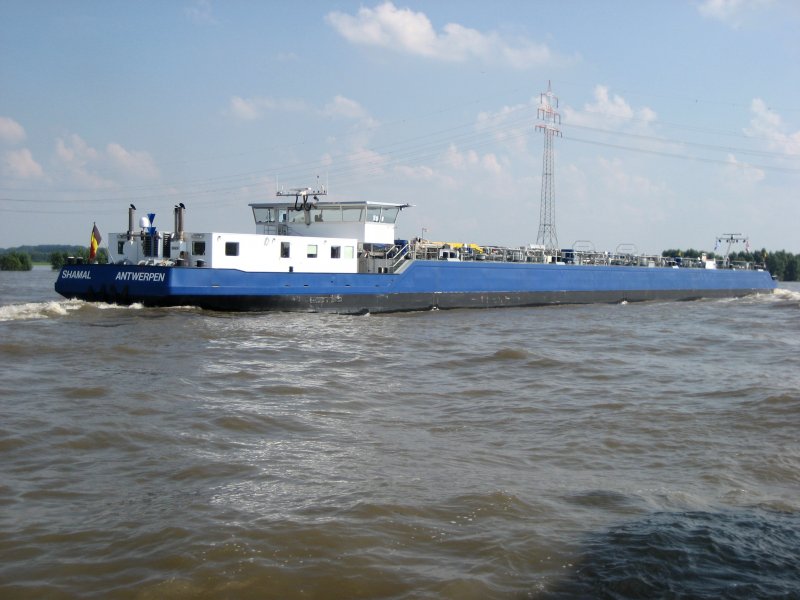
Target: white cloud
x,y
244,109
511,126
344,107
11,132
250,109
75,151
350,109
609,111
365,158
422,173
460,160
470,160
768,124
425,174
621,179
731,12
92,168
20,163
200,12
137,163
491,164
413,33
76,156
740,173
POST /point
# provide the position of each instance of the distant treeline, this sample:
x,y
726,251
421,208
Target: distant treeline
x,y
783,265
22,258
41,254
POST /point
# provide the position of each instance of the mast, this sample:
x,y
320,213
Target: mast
x,y
550,120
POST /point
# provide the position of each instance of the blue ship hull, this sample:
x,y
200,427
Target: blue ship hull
x,y
422,285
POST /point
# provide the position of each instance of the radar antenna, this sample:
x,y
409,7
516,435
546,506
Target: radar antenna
x,y
301,195
731,239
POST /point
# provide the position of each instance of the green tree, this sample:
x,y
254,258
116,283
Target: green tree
x,y
792,269
776,264
16,261
58,259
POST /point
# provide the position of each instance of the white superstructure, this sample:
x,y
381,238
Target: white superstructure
x,y
322,237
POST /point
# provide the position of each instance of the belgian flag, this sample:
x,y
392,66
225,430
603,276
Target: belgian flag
x,y
94,242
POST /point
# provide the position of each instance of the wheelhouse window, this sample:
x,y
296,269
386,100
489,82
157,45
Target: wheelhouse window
x,y
336,251
332,213
285,249
389,215
311,252
231,248
199,248
265,214
120,247
352,214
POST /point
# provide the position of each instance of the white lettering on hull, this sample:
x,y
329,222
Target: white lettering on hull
x,y
324,299
76,275
145,276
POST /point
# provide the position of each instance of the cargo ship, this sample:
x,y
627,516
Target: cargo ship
x,y
345,257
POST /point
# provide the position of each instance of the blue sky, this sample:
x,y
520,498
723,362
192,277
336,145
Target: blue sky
x,y
680,119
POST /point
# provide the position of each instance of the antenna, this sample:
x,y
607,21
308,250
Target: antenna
x,y
550,120
731,239
301,201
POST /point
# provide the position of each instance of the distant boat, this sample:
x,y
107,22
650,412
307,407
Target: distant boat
x,y
344,257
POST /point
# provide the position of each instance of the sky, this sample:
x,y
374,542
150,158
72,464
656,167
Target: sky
x,y
679,119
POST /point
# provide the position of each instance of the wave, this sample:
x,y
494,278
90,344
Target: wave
x,y
54,309
787,294
38,310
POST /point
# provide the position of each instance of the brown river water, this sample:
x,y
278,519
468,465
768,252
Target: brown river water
x,y
608,451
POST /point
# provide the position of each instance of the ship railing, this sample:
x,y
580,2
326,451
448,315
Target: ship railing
x,y
424,250
278,229
400,255
383,259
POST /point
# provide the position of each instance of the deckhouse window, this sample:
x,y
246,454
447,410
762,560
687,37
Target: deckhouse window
x,y
231,248
352,214
331,213
336,251
264,215
347,252
389,215
285,249
312,251
199,248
